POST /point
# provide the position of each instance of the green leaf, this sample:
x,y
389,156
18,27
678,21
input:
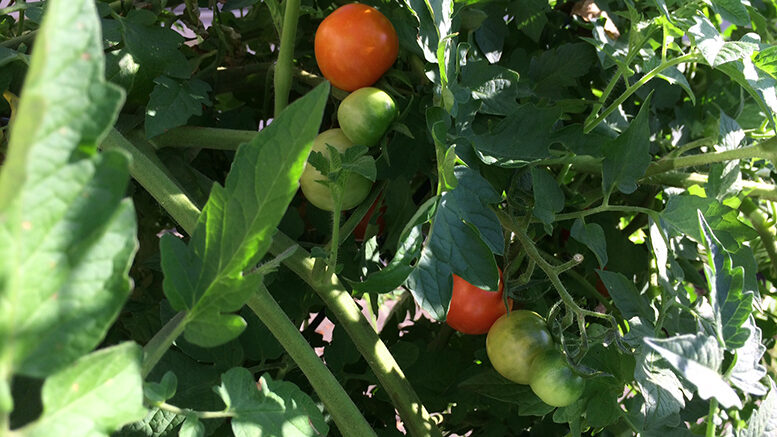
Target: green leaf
x,y
548,197
675,77
93,397
661,389
698,358
269,407
401,266
522,136
173,102
494,85
530,17
158,392
156,423
492,385
763,422
748,370
211,329
680,218
626,296
733,11
592,235
627,156
192,427
760,86
490,36
766,60
465,234
731,303
428,35
67,237
154,47
558,68
715,50
235,228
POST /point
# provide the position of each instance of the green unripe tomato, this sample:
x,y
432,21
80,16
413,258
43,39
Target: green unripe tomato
x,y
357,187
553,381
514,341
366,114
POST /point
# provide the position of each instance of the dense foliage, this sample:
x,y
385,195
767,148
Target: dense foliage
x,y
161,273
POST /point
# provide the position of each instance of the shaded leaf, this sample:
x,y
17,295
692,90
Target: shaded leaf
x,y
698,358
96,395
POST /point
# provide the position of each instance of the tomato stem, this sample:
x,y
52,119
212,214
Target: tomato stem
x,y
415,416
552,272
344,412
637,85
711,418
161,342
283,69
150,172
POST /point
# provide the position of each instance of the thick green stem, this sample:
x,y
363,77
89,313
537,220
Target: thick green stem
x,y
331,265
711,418
146,168
416,419
283,70
344,412
199,414
763,228
161,342
203,137
761,150
685,180
637,85
588,164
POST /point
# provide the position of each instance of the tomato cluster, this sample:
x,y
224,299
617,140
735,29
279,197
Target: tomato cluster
x,y
354,46
521,349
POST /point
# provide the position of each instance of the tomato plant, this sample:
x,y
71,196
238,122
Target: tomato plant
x,y
355,45
366,114
551,138
356,186
553,381
514,341
473,310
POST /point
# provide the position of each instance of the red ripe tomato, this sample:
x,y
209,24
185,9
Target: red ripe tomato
x,y
355,45
472,309
361,229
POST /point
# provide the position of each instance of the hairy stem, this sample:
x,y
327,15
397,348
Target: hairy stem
x,y
161,342
199,414
761,150
339,301
283,69
711,418
149,171
203,137
344,412
552,272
